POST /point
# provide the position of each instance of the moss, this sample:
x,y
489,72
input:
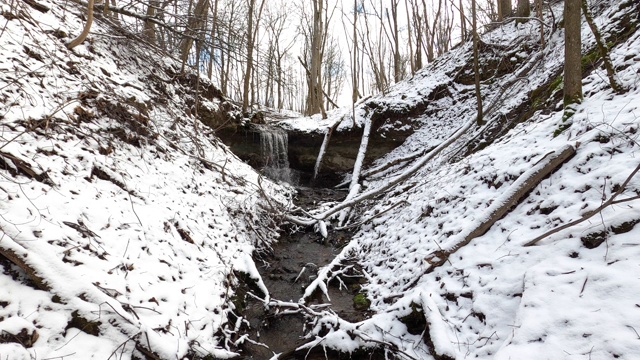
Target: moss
x,y
360,302
589,60
557,83
564,126
540,96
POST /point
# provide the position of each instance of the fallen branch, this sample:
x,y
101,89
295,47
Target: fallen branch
x,y
393,182
612,200
19,166
362,222
501,206
354,187
19,257
410,157
323,147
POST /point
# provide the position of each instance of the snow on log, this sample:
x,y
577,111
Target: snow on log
x,y
441,337
323,147
502,205
354,187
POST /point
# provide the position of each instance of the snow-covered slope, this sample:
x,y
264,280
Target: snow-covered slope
x,y
573,295
114,200
124,222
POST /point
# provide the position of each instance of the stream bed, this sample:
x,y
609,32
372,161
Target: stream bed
x,y
286,271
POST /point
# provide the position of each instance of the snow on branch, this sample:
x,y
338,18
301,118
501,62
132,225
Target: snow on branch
x,y
500,206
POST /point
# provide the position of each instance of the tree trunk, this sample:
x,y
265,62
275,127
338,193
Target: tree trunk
x,y
354,69
523,12
504,9
463,24
149,31
248,67
397,71
539,5
501,206
87,27
476,68
412,63
214,35
194,26
314,98
602,47
572,53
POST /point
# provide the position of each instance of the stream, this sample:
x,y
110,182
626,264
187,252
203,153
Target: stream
x,y
281,273
291,266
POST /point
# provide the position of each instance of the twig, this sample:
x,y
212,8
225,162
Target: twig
x,y
584,285
634,330
591,213
372,217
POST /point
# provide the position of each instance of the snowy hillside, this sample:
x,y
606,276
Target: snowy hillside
x,y
444,287
129,221
127,226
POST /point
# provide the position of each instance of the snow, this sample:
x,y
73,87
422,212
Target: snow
x,y
145,233
495,298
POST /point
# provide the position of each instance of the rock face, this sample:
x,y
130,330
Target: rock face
x,y
392,124
341,152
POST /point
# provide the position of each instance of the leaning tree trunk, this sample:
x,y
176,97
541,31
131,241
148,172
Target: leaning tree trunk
x,y
502,205
603,48
476,68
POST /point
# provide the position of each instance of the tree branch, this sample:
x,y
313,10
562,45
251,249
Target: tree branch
x,y
589,214
501,206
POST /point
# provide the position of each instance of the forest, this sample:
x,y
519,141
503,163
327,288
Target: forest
x,y
398,179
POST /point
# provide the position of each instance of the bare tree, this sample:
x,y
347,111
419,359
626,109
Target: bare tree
x,y
251,35
476,70
572,53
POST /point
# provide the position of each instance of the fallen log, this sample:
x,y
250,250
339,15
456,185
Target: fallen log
x,y
501,206
586,216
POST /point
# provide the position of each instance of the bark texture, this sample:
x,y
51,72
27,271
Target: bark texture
x,y
572,53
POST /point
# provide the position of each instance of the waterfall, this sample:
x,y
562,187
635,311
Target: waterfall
x,y
274,150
